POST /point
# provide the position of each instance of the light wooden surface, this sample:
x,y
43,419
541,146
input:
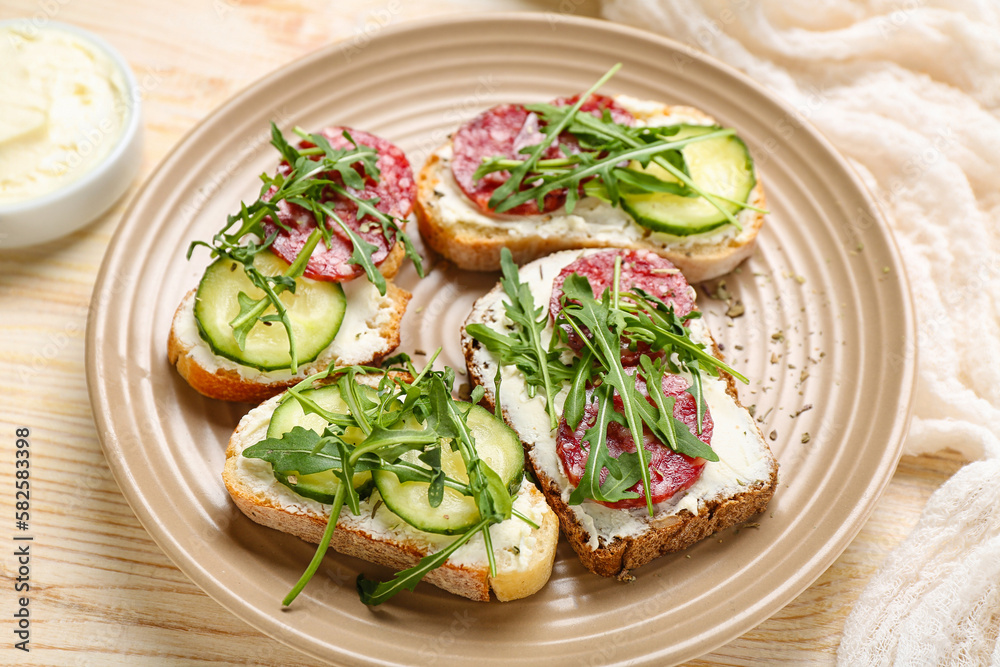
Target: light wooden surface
x,y
102,593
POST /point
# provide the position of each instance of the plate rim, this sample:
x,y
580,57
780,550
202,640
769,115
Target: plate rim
x,y
286,633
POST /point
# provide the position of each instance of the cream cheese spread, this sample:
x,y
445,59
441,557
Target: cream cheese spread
x,y
63,108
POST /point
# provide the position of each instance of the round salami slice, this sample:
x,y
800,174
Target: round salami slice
x,y
395,190
669,471
503,131
596,105
640,269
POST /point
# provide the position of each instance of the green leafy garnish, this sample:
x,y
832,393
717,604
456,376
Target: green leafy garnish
x,y
524,348
374,593
600,168
607,324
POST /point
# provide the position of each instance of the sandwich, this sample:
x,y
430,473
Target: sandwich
x,y
302,276
592,171
568,350
387,467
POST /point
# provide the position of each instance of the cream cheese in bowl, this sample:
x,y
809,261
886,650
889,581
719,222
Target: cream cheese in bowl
x,y
69,130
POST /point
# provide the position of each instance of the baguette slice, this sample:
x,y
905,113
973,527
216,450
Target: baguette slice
x,y
457,230
368,333
524,555
612,542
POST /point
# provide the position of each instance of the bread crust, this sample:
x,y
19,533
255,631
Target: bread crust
x,y
469,581
674,532
228,385
477,248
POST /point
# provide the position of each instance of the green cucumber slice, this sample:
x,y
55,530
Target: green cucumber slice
x,y
720,166
496,444
316,310
321,486
290,414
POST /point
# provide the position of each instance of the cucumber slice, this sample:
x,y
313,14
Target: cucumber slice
x,y
290,414
321,486
720,166
316,310
496,444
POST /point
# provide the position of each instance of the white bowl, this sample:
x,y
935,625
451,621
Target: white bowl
x,y
73,205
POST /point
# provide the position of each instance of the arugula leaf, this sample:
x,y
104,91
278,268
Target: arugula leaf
x,y
523,348
605,167
240,331
618,481
574,407
501,198
435,492
361,250
375,593
671,334
606,325
324,544
697,390
345,473
386,420
643,182
301,451
388,444
665,426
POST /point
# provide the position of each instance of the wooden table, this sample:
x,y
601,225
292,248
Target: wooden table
x,y
101,591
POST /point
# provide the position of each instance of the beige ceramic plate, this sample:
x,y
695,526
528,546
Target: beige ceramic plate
x,y
822,326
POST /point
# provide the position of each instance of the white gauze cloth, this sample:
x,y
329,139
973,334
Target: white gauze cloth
x,y
909,92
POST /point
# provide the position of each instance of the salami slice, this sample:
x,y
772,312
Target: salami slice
x,y
395,190
596,105
640,269
503,131
669,472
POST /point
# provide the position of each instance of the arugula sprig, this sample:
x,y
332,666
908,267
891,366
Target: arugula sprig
x,y
308,184
524,347
386,418
534,153
603,324
607,324
600,167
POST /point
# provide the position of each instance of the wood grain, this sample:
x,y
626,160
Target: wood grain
x,y
102,592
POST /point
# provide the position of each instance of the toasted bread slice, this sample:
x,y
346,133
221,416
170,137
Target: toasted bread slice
x,y
612,542
368,333
523,554
456,229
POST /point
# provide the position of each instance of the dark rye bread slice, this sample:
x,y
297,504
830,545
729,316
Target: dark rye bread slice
x,y
215,378
378,536
667,531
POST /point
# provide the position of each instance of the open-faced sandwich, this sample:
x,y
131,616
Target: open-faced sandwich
x,y
592,171
302,276
413,479
585,353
